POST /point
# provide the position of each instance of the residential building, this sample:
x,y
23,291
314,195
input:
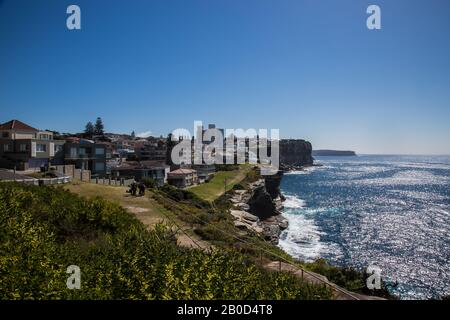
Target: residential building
x,y
139,170
182,178
24,147
205,172
86,154
154,150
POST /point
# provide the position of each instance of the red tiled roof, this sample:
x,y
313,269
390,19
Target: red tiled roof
x,y
16,125
182,171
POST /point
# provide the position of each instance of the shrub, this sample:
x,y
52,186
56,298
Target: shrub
x,y
44,229
149,183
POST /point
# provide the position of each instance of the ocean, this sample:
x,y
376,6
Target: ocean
x,y
392,212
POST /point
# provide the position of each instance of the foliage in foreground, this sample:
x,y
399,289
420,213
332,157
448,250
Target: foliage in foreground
x,y
349,278
43,230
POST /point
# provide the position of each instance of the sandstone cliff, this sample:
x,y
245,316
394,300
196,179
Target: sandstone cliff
x,y
295,153
259,208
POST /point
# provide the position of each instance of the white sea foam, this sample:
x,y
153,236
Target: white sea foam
x,y
302,237
306,170
293,202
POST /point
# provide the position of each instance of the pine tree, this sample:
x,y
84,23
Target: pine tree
x,y
99,127
133,135
89,129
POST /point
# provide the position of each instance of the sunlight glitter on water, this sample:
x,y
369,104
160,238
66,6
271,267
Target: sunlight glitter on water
x,y
375,210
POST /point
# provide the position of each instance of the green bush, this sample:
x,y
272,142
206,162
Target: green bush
x,y
149,183
43,230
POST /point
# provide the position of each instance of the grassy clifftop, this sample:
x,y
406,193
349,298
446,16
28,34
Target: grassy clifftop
x,y
43,230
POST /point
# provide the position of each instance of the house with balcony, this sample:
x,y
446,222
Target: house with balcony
x,y
153,150
182,178
158,171
24,147
86,154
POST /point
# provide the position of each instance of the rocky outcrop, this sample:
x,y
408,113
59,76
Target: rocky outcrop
x,y
261,203
259,208
273,183
295,153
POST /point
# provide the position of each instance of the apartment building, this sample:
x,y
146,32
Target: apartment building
x,y
139,170
86,154
153,150
24,147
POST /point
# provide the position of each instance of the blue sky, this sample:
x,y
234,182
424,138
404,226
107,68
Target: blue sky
x,y
310,68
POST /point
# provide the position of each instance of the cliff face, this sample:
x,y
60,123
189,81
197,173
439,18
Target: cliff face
x,y
266,197
295,153
259,208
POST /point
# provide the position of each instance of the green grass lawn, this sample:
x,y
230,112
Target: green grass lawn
x,y
222,181
146,209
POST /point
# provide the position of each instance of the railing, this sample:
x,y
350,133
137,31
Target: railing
x,y
51,181
281,259
112,182
43,181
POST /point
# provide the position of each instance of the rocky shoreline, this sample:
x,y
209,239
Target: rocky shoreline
x,y
259,207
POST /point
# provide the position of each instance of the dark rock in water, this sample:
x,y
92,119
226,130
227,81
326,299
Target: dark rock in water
x,y
261,204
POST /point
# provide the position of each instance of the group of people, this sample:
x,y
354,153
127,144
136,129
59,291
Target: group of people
x,y
137,187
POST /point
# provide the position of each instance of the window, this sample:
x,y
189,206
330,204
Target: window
x,y
73,152
45,136
40,147
99,151
5,134
99,166
82,151
6,147
23,147
58,148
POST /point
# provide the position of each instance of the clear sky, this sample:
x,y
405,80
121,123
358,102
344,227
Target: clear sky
x,y
310,68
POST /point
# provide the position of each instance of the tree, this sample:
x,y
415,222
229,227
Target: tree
x,y
89,129
169,146
99,127
133,135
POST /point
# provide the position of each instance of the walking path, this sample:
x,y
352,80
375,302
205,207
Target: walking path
x,y
315,278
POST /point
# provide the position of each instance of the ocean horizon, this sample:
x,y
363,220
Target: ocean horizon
x,y
389,211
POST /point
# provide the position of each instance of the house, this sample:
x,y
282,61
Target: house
x,y
139,170
154,150
24,147
205,172
85,154
182,177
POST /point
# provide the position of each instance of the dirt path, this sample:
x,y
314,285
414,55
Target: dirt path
x,y
147,210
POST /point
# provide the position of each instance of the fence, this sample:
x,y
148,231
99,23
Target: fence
x,y
112,182
44,181
280,261
76,174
